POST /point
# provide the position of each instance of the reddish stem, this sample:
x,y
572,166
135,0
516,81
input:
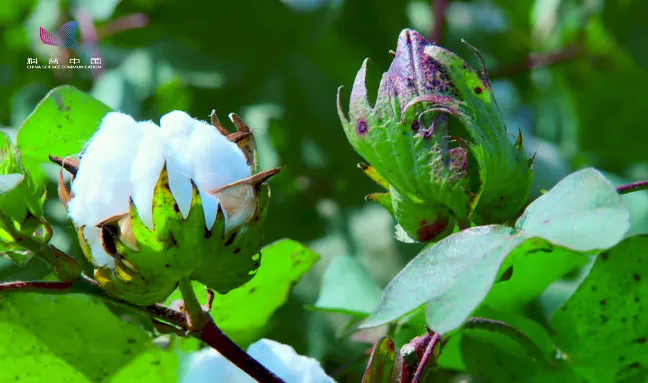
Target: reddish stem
x,y
537,60
215,338
633,187
418,376
439,8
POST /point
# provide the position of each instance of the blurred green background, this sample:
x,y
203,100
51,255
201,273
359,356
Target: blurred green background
x,y
570,74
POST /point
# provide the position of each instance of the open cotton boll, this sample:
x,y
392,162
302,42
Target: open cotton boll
x,y
284,361
196,150
207,365
124,160
142,249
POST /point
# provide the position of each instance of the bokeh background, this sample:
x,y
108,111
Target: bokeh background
x,y
570,74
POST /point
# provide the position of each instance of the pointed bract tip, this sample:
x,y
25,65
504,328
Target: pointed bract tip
x,y
112,220
519,142
217,124
483,74
359,105
68,163
341,112
238,122
530,161
255,180
64,194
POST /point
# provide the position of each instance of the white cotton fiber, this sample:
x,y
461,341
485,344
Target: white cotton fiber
x,y
102,183
146,169
196,150
207,365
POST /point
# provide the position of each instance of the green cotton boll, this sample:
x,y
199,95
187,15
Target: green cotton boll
x,y
436,136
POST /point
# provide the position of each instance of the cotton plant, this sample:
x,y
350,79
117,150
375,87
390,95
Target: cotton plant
x,y
180,205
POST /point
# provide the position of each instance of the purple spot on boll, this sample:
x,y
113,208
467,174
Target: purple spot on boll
x,y
362,127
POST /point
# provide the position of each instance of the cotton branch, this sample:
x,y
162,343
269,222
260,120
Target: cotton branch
x,y
168,319
633,187
538,60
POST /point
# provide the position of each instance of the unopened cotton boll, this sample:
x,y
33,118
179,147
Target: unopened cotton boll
x,y
154,204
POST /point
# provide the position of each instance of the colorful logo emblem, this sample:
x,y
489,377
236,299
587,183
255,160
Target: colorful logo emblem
x,y
65,37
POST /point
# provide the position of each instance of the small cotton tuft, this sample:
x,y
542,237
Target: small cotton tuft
x,y
124,159
207,365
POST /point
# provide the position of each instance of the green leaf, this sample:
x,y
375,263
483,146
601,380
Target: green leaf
x,y
60,125
151,366
42,341
603,328
531,349
381,362
343,275
452,277
496,357
9,181
533,271
244,312
530,333
583,212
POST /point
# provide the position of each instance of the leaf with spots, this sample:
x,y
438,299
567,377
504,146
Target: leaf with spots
x,y
61,125
603,327
42,342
